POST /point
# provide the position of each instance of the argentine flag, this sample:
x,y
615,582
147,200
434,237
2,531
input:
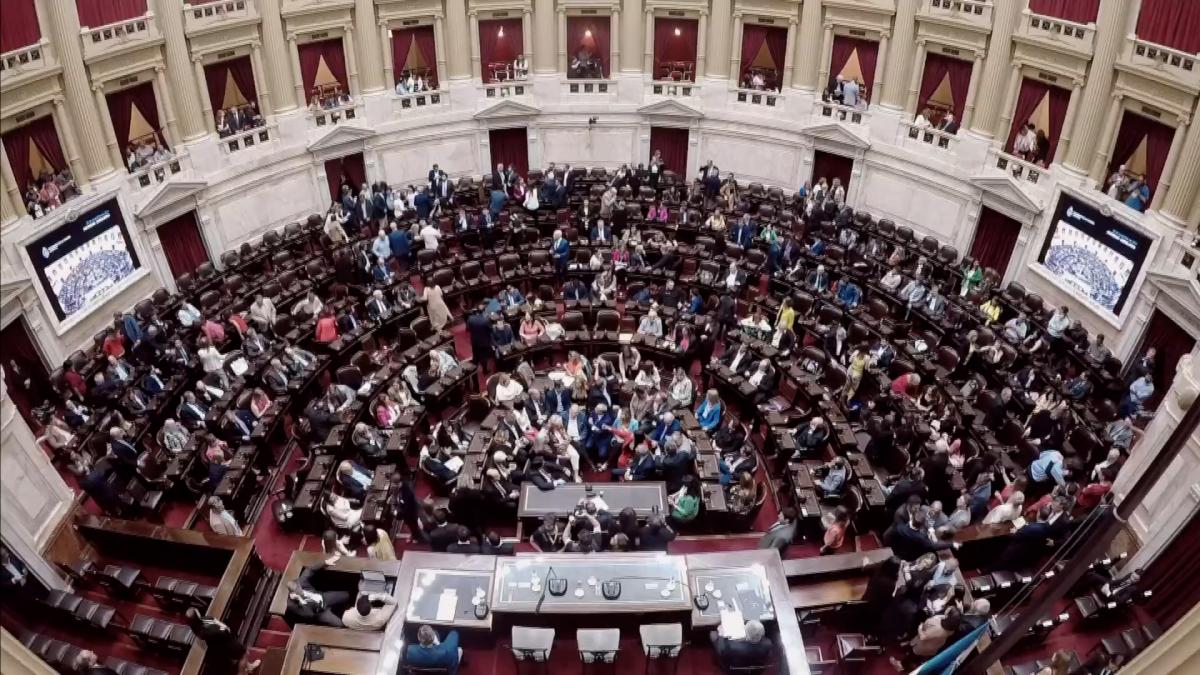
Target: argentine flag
x,y
951,657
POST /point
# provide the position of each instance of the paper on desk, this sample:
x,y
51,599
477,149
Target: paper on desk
x,y
447,605
625,338
733,626
455,463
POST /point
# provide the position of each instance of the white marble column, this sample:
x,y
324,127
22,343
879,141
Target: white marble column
x,y
914,82
717,47
1185,181
789,53
735,51
162,94
548,39
1111,27
648,42
561,27
900,59
262,82
1108,136
973,89
1166,180
994,72
110,135
614,41
348,42
1004,123
275,81
205,105
701,44
62,122
1167,507
184,95
301,96
389,65
527,35
370,47
804,66
882,69
462,41
14,205
631,17
439,39
476,65
826,57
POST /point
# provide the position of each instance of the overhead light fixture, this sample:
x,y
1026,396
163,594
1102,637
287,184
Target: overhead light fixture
x,y
678,32
587,33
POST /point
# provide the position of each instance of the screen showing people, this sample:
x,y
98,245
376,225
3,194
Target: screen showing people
x,y
84,260
1093,254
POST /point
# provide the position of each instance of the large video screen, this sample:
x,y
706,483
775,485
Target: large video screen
x,y
82,261
1093,254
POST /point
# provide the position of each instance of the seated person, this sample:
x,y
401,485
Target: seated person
x,y
354,478
745,652
307,604
431,652
368,442
370,612
834,479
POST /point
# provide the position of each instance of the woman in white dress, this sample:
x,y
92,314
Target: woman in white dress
x,y
439,313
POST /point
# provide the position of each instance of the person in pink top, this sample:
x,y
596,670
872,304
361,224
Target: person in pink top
x,y
901,386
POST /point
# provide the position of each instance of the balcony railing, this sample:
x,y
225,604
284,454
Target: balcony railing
x,y
673,89
330,116
420,100
27,61
975,12
841,113
200,16
1016,167
940,140
573,87
160,172
1077,37
507,89
249,138
116,37
1171,64
762,97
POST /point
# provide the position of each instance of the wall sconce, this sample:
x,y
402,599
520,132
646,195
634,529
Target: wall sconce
x,y
500,33
587,33
678,32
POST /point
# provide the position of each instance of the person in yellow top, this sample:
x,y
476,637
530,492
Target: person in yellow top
x,y
991,310
786,316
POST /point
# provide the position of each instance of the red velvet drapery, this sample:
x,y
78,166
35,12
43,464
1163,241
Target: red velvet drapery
x,y
868,54
311,54
497,48
510,147
1030,97
1134,128
95,13
673,144
120,108
20,351
183,244
1170,343
938,67
351,169
829,166
1079,11
1171,23
20,25
402,41
995,236
670,48
753,37
1172,576
598,43
44,135
215,75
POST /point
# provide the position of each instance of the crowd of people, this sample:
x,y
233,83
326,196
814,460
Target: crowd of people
x,y
48,191
238,118
144,153
1129,187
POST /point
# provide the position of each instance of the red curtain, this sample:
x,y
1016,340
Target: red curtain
x,y
402,41
669,47
183,244
19,350
1171,576
1170,342
868,53
215,75
44,135
673,144
20,25
598,43
510,147
311,54
95,13
1134,128
1079,11
995,237
497,48
351,168
120,108
753,37
1028,99
938,67
829,166
1171,23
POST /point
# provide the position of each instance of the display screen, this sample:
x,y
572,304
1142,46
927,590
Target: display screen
x,y
1093,254
84,260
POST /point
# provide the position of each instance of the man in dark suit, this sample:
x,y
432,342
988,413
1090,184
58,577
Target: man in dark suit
x,y
480,331
192,412
433,175
423,204
492,545
429,652
558,400
354,478
910,540
750,651
444,532
308,605
949,124
655,535
463,543
1027,544
780,535
122,449
743,233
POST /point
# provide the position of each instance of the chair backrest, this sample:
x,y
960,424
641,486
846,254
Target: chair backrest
x,y
572,320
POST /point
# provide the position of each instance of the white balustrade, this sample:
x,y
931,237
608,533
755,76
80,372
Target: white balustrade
x,y
759,97
841,113
507,89
975,12
939,140
324,117
673,89
573,87
1052,31
119,36
160,172
26,62
206,16
1016,167
248,138
1172,64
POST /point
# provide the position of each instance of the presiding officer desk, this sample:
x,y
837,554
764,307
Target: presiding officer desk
x,y
447,591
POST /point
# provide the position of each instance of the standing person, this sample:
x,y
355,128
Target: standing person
x,y
439,313
430,652
781,533
218,638
480,331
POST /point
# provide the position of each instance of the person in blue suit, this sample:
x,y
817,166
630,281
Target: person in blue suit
x,y
665,427
558,401
429,652
511,297
599,425
400,243
708,413
744,232
560,248
354,478
423,204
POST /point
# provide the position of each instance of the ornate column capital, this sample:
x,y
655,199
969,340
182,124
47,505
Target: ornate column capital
x,y
160,68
